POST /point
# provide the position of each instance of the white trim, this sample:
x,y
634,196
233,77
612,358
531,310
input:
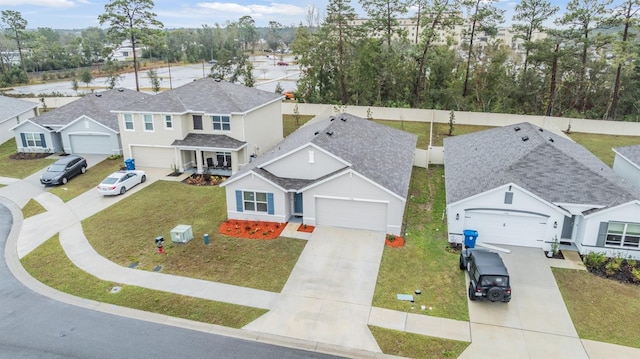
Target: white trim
x,y
504,187
253,174
33,123
350,171
164,121
636,202
124,122
221,123
354,199
144,123
286,154
86,118
626,159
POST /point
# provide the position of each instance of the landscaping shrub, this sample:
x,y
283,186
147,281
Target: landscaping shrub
x,y
595,260
617,268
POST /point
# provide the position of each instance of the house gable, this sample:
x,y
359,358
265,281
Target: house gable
x,y
307,162
86,124
627,164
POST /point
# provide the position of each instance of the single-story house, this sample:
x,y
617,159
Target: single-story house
x,y
627,164
12,112
84,126
522,185
342,171
204,126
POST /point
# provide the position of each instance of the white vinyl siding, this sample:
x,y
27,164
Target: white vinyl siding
x,y
128,121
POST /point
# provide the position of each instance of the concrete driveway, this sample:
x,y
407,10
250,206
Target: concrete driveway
x,y
535,324
328,295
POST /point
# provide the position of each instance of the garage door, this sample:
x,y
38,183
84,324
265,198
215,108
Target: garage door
x,y
512,228
91,144
157,157
351,214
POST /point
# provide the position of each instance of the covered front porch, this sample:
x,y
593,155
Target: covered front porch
x,y
215,154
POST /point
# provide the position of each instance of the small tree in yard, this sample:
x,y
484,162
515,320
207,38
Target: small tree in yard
x,y
155,80
279,88
296,115
86,76
74,85
452,120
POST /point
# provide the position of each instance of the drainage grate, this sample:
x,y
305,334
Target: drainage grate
x,y
115,289
133,265
157,268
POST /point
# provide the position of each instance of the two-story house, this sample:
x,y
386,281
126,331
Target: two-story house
x,y
206,125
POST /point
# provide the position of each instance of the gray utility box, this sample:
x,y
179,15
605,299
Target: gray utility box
x,y
181,234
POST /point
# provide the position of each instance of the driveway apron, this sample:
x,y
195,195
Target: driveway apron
x,y
535,324
328,295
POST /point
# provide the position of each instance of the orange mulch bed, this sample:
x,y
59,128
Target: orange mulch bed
x,y
251,229
305,228
394,241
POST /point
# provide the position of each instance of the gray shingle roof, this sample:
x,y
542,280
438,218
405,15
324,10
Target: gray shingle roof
x,y
97,106
380,153
632,153
12,107
206,140
550,166
205,95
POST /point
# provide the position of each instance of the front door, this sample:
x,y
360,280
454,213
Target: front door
x,y
297,204
567,227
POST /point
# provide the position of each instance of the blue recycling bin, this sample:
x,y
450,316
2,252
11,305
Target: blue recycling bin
x,y
130,163
470,236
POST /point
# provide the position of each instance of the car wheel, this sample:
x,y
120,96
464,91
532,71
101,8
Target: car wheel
x,y
472,294
143,179
64,180
495,294
83,169
123,190
462,266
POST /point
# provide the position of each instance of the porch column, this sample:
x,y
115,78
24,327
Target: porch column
x,y
234,162
199,161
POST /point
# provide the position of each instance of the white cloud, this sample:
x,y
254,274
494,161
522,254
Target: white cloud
x,y
253,9
45,3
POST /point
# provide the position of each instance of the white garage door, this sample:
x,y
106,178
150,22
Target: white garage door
x,y
351,214
512,228
91,144
157,157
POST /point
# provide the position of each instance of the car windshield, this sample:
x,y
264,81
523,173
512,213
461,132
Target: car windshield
x,y
56,168
495,280
110,180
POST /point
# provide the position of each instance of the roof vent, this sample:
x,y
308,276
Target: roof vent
x,y
343,119
516,128
551,139
332,118
98,95
120,89
315,133
541,130
525,138
330,133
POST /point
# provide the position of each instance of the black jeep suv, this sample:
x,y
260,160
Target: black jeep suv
x,y
488,276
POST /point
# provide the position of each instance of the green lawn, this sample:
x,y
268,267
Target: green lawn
x,y
49,264
601,309
32,208
125,233
87,181
416,346
425,262
601,145
18,168
289,123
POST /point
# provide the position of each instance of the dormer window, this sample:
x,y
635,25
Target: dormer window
x,y
221,123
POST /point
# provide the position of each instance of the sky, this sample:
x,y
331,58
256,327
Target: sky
x,y
80,14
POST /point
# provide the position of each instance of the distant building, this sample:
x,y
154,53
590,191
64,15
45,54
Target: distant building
x,y
124,52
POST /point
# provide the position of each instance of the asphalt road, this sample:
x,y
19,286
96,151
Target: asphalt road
x,y
266,72
34,326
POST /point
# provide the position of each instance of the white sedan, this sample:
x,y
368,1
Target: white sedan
x,y
121,181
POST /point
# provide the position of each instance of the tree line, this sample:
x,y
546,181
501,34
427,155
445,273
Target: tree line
x,y
586,66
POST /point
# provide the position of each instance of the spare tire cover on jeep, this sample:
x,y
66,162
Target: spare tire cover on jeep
x,y
495,294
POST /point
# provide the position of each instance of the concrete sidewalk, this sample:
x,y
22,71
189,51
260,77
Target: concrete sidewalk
x,y
325,305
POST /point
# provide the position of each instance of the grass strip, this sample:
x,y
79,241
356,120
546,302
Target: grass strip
x,y
49,264
416,346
